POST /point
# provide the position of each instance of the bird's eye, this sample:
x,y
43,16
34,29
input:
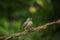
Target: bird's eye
x,y
30,19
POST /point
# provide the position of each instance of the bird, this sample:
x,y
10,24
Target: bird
x,y
27,24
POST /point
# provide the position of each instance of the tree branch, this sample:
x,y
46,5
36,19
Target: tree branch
x,y
30,30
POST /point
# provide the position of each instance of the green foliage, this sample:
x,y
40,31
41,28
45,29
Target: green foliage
x,y
13,13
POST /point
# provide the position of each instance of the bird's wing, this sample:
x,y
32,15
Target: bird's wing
x,y
25,23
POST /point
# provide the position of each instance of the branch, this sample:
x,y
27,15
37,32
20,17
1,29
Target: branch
x,y
39,28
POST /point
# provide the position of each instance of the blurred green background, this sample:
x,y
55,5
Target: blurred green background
x,y
13,13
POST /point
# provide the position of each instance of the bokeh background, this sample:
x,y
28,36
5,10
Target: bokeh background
x,y
13,13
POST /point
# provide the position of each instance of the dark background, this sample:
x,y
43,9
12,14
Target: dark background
x,y
13,13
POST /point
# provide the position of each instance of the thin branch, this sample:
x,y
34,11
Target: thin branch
x,y
31,30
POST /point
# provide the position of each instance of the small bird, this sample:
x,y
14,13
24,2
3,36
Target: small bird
x,y
27,24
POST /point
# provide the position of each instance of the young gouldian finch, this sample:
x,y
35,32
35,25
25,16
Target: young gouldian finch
x,y
27,24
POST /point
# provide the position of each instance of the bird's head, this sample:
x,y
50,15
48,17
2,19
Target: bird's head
x,y
29,19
